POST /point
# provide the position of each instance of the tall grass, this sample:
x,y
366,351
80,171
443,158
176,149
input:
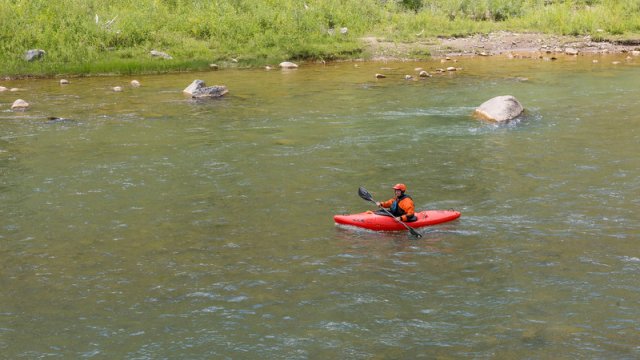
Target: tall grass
x,y
96,36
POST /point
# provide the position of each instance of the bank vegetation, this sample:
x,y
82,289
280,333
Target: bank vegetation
x,y
116,36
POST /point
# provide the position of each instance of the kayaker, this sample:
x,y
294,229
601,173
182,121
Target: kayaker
x,y
401,206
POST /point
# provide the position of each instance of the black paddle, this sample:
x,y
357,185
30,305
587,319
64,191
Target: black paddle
x,y
365,195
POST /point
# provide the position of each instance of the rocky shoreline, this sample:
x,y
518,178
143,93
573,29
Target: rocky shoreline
x,y
512,44
500,43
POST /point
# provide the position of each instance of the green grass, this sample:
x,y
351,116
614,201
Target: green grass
x,y
95,36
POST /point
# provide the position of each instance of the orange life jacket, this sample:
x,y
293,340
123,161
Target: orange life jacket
x,y
401,206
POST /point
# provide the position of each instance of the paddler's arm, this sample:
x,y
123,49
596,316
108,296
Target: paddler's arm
x,y
386,204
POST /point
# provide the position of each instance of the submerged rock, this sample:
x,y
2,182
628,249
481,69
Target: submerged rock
x,y
499,109
55,119
198,90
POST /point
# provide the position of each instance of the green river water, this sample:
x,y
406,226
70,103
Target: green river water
x,y
149,226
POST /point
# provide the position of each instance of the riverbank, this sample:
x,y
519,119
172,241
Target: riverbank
x,y
516,44
81,38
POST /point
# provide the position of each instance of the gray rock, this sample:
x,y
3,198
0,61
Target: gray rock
x,y
34,54
571,51
160,54
499,109
198,90
288,65
20,105
193,87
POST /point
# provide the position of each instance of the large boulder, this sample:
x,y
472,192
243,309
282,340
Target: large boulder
x,y
20,105
499,109
199,90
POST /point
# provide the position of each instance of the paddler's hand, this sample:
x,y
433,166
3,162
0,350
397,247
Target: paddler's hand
x,y
399,218
379,203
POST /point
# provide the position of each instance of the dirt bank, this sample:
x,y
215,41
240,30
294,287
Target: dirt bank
x,y
524,44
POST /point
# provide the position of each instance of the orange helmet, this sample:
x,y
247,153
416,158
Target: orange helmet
x,y
401,187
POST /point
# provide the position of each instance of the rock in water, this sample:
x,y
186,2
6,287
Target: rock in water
x,y
19,105
288,65
499,109
214,91
198,90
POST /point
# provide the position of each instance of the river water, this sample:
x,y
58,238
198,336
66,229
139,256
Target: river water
x,y
148,226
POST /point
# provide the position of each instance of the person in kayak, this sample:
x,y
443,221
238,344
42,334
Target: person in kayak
x,y
401,206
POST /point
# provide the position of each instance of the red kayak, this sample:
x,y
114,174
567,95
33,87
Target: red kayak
x,y
370,220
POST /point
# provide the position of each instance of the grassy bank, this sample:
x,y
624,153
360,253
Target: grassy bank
x,y
94,36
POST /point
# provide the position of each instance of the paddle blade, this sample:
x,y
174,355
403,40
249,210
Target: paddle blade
x,y
416,234
364,194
